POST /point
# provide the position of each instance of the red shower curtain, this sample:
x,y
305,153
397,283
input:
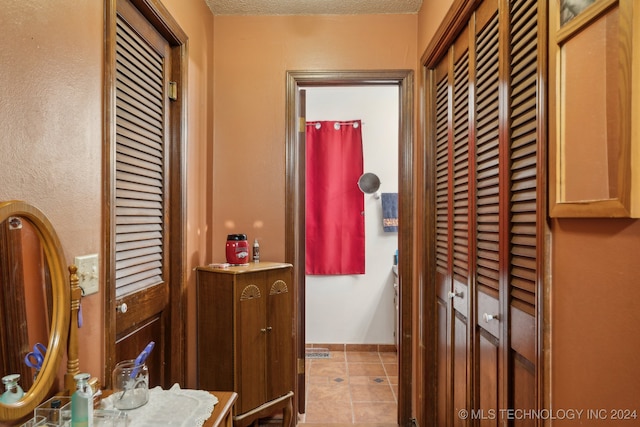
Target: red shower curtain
x,y
334,203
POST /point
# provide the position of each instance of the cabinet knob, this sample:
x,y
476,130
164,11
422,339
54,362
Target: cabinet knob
x,y
452,295
122,308
268,328
489,317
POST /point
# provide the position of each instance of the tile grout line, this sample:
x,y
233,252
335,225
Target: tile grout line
x,y
386,372
346,364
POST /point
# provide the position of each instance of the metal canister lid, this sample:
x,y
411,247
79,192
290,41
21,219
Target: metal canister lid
x,y
237,237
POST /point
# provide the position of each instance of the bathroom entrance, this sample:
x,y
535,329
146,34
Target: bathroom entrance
x,y
342,307
325,300
350,317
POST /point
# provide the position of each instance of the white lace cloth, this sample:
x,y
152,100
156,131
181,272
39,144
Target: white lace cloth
x,y
174,407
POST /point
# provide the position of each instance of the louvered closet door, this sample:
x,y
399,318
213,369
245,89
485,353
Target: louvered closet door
x,y
452,230
442,250
488,183
141,264
524,207
486,158
460,225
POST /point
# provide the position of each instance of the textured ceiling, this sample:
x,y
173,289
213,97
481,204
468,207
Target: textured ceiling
x,y
312,7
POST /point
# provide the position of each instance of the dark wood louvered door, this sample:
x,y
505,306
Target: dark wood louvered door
x,y
526,207
453,231
142,58
442,250
459,156
489,238
487,156
145,192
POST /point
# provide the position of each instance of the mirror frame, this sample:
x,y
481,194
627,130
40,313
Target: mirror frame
x,y
60,315
626,204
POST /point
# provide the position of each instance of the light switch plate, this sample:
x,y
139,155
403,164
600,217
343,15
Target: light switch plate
x,y
88,273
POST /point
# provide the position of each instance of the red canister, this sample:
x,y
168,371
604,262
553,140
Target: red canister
x,y
237,249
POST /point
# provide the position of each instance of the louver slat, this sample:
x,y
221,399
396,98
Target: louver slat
x,y
523,274
487,155
139,164
442,179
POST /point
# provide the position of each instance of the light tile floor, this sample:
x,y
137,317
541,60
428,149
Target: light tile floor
x,y
352,387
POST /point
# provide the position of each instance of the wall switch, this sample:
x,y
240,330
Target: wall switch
x,y
88,273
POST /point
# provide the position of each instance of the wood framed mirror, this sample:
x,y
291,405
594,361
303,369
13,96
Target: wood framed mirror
x,y
594,76
57,295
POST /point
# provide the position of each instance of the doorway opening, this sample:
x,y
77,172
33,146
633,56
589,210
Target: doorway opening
x,y
297,81
350,319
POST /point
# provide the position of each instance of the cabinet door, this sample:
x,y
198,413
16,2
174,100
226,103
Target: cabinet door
x,y
279,325
250,327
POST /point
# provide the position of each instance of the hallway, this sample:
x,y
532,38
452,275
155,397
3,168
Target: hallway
x,y
353,386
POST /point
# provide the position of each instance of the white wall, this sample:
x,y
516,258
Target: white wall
x,y
359,309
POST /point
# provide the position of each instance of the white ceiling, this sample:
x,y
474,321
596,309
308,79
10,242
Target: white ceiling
x,y
312,7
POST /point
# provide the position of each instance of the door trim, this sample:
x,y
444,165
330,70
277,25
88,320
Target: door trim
x,y
160,18
294,205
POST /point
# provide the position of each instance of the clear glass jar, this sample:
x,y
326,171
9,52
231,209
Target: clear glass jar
x,y
130,385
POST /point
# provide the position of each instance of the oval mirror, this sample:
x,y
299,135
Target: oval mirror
x,y
43,289
369,183
25,300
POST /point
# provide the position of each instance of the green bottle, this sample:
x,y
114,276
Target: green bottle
x,y
82,402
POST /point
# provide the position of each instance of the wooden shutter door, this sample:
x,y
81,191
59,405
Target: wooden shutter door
x,y
452,231
487,200
460,224
144,192
139,197
442,238
524,207
488,156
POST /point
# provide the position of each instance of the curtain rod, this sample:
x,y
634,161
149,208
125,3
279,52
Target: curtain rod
x,y
336,125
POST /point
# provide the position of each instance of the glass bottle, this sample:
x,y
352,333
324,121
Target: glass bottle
x,y
13,391
82,402
256,251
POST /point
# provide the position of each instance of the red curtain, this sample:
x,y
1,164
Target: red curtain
x,y
334,203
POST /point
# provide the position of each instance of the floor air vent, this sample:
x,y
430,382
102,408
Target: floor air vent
x,y
317,353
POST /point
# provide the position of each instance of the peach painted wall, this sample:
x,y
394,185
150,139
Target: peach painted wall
x,y
430,16
595,316
252,55
196,20
594,296
51,129
51,134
